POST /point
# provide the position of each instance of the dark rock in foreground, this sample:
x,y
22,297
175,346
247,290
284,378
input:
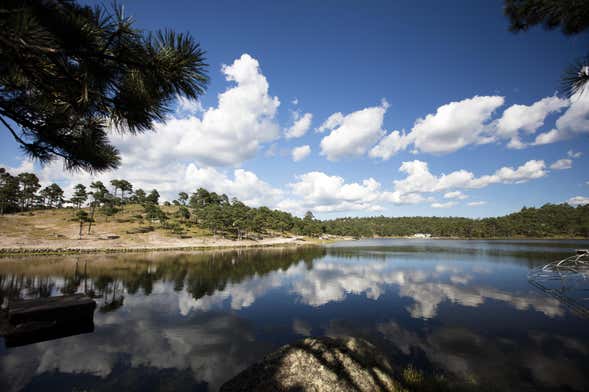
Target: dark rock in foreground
x,y
319,364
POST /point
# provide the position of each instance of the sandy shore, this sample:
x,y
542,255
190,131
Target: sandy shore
x,y
148,242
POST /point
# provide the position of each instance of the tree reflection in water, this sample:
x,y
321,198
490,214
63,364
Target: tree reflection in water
x,y
102,277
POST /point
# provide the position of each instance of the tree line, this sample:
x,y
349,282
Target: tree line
x,y
550,220
230,217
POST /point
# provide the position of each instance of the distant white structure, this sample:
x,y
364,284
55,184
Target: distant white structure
x,y
421,235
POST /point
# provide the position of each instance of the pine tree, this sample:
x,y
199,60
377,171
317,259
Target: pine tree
x,y
69,73
9,191
80,196
28,187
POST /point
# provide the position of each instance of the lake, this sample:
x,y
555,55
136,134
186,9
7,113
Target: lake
x,y
191,321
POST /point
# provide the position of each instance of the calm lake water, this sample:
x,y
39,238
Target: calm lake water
x,y
191,321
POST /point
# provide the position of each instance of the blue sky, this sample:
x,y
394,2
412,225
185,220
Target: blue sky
x,y
445,77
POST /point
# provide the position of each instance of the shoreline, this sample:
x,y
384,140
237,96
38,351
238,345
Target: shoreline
x,y
480,238
217,245
11,252
224,244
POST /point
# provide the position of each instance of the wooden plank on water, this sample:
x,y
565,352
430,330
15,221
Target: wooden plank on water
x,y
65,307
38,332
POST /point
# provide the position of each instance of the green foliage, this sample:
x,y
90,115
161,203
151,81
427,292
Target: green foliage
x,y
153,197
9,192
233,218
83,217
551,220
51,196
138,196
28,186
68,72
183,213
183,198
108,205
19,193
124,186
175,228
99,191
154,212
80,196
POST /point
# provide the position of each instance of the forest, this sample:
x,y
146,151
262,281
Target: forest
x,y
229,217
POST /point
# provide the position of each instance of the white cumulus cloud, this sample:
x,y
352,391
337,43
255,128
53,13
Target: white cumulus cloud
x,y
420,180
353,134
455,125
575,120
447,204
528,119
188,106
321,192
562,164
578,201
227,134
300,153
300,126
455,195
390,145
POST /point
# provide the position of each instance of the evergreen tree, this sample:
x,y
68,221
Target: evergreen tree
x,y
153,197
139,196
116,185
80,196
98,194
9,191
28,187
52,196
183,198
126,188
83,217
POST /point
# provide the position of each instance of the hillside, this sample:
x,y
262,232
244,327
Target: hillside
x,y
133,227
58,228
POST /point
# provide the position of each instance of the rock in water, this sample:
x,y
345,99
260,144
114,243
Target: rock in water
x,y
319,364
